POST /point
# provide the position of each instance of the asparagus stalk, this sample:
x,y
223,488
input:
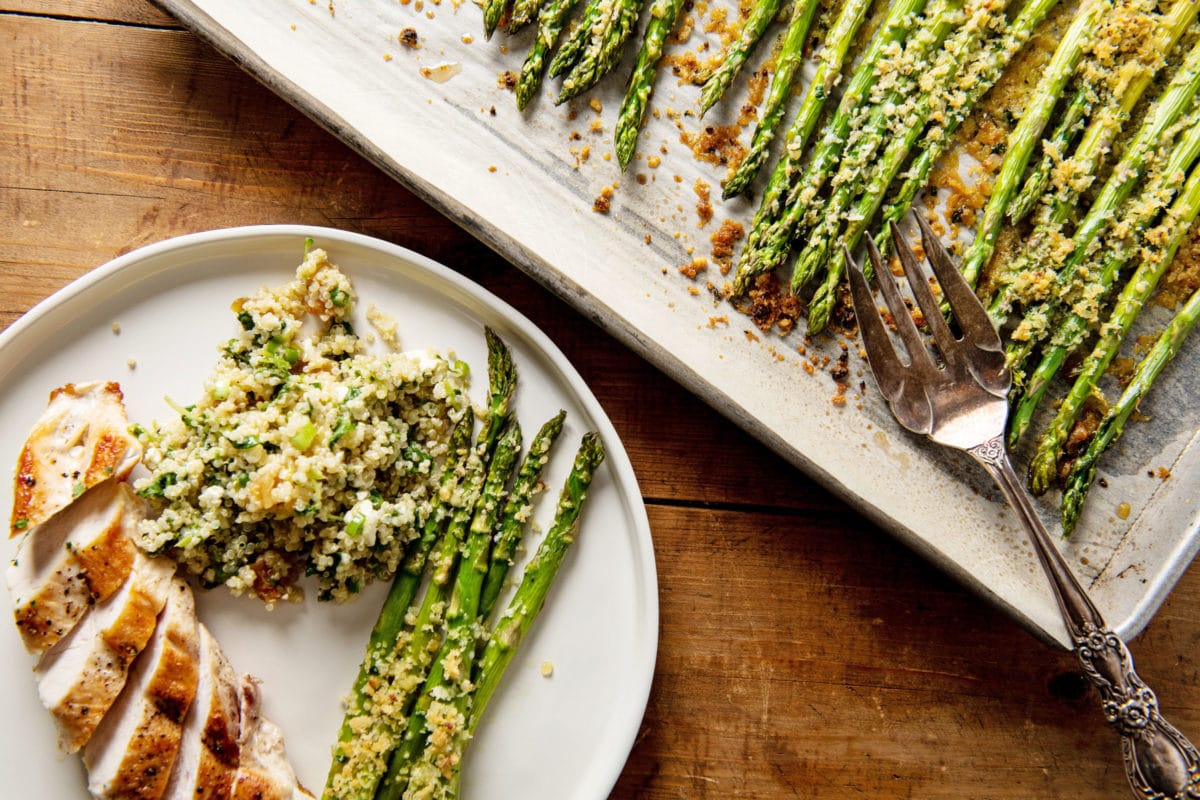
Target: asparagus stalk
x,y
393,661
828,72
577,39
1063,137
956,74
382,644
1178,94
1083,471
787,66
1093,148
1023,138
663,14
770,235
427,761
963,46
735,57
1043,469
516,511
552,15
601,46
539,574
357,770
986,71
1097,140
856,161
502,382
787,168
523,12
1140,216
493,13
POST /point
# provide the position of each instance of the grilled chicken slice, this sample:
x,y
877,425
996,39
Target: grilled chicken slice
x,y
263,772
78,557
81,676
79,441
131,754
208,755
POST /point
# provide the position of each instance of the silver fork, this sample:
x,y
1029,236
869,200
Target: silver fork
x,y
958,400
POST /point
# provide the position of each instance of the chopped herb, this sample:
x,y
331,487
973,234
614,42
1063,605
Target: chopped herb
x,y
344,426
416,457
246,320
303,438
159,484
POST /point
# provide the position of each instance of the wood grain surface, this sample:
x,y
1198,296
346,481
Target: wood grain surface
x,y
803,652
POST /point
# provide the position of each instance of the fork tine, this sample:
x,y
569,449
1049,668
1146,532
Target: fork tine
x,y
918,282
972,319
984,354
881,353
914,342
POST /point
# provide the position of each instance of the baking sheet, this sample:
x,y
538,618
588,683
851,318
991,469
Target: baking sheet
x,y
526,184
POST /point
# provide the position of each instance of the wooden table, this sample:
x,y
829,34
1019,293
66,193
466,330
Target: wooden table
x,y
803,652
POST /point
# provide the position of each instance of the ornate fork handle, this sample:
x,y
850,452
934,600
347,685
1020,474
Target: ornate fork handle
x,y
1159,760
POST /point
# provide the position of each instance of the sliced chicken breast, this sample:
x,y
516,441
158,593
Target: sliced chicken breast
x,y
81,676
80,440
263,772
207,765
78,557
132,752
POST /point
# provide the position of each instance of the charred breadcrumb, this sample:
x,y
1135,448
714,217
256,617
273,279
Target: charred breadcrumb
x,y
603,202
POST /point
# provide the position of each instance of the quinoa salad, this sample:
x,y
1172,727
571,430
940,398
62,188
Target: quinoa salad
x,y
305,454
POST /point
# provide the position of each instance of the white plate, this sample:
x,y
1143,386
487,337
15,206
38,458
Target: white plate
x,y
558,737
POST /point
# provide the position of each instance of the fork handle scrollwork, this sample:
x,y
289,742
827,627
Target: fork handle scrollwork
x,y
1160,762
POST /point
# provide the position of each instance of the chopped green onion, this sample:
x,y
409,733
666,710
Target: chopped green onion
x,y
303,438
